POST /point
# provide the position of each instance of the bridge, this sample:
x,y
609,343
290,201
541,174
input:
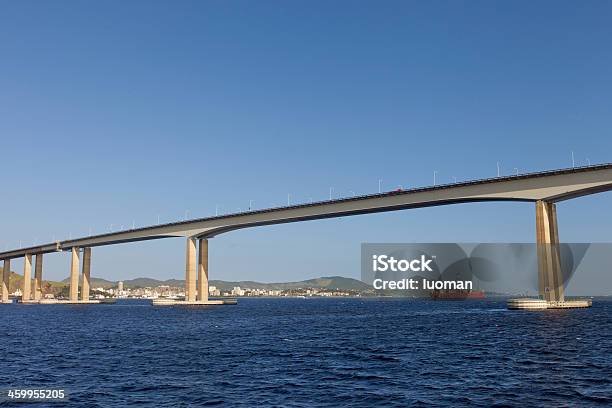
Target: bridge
x,y
544,189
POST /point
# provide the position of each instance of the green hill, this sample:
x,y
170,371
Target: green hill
x,y
96,283
16,281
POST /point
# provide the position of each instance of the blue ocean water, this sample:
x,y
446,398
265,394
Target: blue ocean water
x,y
310,352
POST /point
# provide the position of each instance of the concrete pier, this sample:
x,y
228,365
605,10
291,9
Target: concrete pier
x,y
74,275
27,277
550,277
203,271
6,273
68,302
190,270
86,274
541,304
190,280
172,302
38,268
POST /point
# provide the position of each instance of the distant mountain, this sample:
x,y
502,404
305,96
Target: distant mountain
x,y
101,283
143,283
95,283
331,282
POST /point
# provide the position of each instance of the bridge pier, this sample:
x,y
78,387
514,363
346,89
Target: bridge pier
x,y
203,271
38,266
550,277
74,275
196,293
27,277
6,273
86,274
190,271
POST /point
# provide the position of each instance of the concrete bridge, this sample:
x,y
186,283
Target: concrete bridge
x,y
543,188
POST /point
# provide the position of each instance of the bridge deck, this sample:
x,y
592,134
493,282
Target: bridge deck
x,y
554,185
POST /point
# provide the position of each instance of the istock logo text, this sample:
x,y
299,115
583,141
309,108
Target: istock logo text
x,y
383,263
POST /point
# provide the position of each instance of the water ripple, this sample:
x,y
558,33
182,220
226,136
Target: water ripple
x,y
314,352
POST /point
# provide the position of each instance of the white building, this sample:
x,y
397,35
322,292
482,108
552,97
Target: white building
x,y
237,291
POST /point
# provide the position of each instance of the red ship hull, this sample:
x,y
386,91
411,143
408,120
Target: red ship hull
x,y
457,295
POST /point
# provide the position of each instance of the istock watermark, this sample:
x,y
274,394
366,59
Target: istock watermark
x,y
472,270
388,263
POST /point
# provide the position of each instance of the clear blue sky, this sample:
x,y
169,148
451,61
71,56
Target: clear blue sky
x,y
117,111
